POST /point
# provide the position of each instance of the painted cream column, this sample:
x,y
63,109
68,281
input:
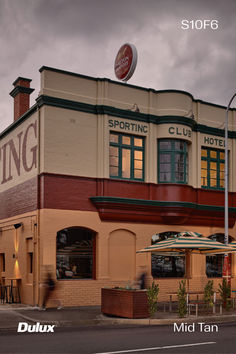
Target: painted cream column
x,y
102,153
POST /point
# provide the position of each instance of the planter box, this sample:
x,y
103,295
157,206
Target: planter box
x,y
125,303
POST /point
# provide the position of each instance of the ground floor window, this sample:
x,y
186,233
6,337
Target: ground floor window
x,y
2,262
76,253
167,266
30,262
215,263
214,266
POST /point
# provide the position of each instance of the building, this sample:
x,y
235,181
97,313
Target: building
x,y
94,169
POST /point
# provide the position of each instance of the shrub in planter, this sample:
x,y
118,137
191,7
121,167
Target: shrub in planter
x,y
152,293
208,294
225,292
182,299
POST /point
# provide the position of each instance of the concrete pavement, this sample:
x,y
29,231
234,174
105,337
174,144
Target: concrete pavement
x,y
11,315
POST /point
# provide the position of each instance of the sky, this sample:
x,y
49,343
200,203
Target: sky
x,y
84,36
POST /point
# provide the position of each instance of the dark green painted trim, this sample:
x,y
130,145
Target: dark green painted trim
x,y
172,152
132,148
156,203
137,116
20,120
214,104
116,112
218,162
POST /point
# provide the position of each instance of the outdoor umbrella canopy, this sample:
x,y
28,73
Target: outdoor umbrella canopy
x,y
185,243
189,242
233,244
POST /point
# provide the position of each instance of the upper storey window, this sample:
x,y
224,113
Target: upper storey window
x,y
126,157
172,161
212,168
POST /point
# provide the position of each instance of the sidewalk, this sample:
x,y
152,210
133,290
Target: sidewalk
x,y
11,315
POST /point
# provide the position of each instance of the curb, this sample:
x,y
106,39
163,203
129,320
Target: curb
x,y
168,321
102,320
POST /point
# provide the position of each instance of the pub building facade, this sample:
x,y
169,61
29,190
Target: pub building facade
x,y
96,170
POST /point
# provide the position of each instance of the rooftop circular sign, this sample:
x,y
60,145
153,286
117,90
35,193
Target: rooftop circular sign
x,y
125,62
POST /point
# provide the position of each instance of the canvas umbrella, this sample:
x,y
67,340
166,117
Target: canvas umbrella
x,y
233,244
188,242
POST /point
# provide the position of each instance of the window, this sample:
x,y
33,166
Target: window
x,y
167,266
214,264
212,168
30,262
2,262
76,253
172,161
126,157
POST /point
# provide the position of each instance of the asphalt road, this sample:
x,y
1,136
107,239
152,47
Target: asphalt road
x,y
119,340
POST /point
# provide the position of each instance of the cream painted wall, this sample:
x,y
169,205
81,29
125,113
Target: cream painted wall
x,y
122,255
77,143
21,143
70,142
68,87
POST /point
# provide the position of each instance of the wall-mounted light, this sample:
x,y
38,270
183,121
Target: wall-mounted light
x,y
16,226
14,256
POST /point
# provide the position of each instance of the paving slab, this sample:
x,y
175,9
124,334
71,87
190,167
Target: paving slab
x,y
11,315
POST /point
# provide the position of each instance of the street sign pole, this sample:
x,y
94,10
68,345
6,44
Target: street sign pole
x,y
226,268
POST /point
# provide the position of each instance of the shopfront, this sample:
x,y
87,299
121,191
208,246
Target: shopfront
x,y
92,181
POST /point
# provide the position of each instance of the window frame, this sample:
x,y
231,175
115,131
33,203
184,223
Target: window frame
x,y
155,259
132,148
77,254
218,162
219,237
173,152
2,262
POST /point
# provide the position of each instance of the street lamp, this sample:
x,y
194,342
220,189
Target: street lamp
x,y
226,238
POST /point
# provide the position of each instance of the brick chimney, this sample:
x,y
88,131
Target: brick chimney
x,y
21,94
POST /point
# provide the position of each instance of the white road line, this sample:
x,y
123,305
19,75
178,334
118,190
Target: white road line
x,y
157,348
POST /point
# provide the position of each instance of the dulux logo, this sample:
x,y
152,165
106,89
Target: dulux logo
x,y
38,328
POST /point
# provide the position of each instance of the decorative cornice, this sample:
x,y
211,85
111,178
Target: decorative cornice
x,y
21,78
156,203
21,89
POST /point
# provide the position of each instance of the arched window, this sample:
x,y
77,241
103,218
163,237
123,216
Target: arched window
x,y
167,266
214,264
76,253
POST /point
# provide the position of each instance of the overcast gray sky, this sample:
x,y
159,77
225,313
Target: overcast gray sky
x,y
84,36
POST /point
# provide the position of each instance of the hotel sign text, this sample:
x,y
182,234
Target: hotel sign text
x,y
214,141
127,126
19,155
180,131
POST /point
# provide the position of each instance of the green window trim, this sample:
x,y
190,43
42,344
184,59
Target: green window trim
x,y
218,161
128,153
172,153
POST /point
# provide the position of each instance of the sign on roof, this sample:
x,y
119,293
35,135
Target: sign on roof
x,y
125,62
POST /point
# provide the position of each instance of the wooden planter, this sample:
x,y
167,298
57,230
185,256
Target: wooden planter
x,y
125,303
